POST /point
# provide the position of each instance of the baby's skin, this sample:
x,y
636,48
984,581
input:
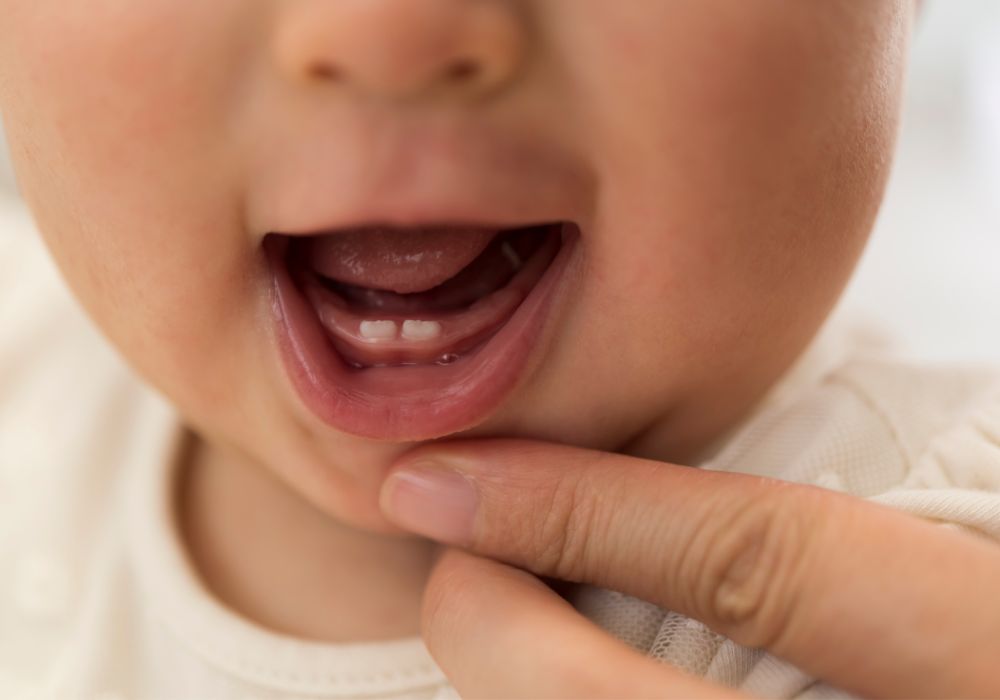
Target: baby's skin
x,y
722,161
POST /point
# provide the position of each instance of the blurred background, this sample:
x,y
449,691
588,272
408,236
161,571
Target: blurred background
x,y
932,271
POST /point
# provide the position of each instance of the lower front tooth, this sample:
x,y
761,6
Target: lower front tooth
x,y
421,330
378,330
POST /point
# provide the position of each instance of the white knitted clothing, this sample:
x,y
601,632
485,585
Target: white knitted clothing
x,y
925,441
98,598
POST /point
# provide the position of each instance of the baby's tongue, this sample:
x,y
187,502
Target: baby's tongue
x,y
402,260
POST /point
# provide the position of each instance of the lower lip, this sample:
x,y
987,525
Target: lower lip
x,y
411,403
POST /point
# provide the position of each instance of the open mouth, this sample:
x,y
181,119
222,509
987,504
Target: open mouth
x,y
403,333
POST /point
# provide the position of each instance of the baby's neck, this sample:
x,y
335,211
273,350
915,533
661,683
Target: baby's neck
x,y
275,559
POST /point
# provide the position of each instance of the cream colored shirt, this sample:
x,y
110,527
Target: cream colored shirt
x,y
98,599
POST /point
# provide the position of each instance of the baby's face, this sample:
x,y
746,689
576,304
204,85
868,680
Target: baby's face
x,y
706,171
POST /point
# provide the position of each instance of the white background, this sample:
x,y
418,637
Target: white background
x,y
932,271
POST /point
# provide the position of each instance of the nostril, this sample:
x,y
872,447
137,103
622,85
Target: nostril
x,y
326,71
462,70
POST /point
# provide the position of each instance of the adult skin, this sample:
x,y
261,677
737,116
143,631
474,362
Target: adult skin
x,y
811,575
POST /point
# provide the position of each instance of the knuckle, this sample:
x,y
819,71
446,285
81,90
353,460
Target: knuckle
x,y
558,540
752,564
560,535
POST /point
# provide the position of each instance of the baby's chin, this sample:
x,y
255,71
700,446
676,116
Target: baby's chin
x,y
354,472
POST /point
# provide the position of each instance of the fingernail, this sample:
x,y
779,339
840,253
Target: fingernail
x,y
432,501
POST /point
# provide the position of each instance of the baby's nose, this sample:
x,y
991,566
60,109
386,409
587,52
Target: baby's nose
x,y
402,49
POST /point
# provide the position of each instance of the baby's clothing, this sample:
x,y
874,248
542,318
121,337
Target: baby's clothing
x,y
99,599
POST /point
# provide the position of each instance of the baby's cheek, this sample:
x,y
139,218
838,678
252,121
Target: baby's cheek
x,y
115,112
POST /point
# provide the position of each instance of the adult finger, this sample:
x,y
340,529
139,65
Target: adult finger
x,y
499,632
863,596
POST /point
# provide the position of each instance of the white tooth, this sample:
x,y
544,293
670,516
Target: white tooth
x,y
421,330
511,255
378,330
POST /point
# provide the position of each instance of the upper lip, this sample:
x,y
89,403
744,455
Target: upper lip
x,y
419,177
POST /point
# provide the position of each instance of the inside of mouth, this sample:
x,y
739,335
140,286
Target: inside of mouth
x,y
490,270
372,325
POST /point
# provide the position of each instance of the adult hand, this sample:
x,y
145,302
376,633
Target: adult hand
x,y
864,597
